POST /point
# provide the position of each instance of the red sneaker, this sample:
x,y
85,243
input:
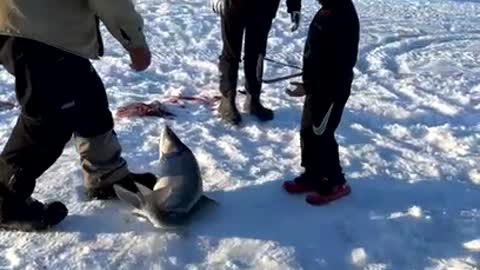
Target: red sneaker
x,y
299,185
317,198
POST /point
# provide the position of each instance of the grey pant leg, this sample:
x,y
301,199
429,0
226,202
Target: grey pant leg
x,y
101,159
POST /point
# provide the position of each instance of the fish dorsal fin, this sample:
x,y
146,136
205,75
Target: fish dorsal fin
x,y
143,189
129,197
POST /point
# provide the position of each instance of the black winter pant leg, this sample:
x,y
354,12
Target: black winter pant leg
x,y
91,113
321,117
255,19
31,149
256,37
233,26
54,90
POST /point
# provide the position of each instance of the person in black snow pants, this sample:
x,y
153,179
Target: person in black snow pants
x,y
47,47
252,18
330,55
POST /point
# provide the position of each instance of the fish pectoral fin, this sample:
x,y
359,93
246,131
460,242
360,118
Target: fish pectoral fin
x,y
207,200
202,208
140,214
143,189
160,196
203,203
128,196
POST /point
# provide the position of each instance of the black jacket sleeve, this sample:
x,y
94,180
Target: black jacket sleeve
x,y
331,47
293,5
318,54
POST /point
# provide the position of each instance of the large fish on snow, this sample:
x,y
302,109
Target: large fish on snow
x,y
178,193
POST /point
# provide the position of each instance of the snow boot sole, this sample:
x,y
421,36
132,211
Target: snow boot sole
x,y
292,187
318,199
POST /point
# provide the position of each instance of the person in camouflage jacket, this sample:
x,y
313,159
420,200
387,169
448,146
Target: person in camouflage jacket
x,y
47,45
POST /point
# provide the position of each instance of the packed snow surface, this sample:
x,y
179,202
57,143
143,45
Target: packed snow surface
x,y
410,147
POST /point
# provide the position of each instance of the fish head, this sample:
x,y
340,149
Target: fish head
x,y
170,144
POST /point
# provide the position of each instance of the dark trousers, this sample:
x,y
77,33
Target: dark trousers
x,y
60,94
322,113
252,19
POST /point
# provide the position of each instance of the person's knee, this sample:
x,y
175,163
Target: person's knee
x,y
93,122
101,158
98,148
229,59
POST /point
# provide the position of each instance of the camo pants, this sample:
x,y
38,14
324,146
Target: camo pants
x,y
61,96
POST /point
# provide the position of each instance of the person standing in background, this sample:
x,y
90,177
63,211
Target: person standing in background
x,y
252,19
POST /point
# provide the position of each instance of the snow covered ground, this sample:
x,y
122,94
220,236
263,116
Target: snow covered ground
x,y
409,140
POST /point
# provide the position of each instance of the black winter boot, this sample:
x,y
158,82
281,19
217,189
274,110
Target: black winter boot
x,y
30,214
228,67
228,111
254,107
128,182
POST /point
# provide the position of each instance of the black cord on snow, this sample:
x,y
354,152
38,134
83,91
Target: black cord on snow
x,y
278,79
274,80
281,63
282,78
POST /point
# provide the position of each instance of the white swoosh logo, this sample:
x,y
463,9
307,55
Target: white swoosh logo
x,y
323,126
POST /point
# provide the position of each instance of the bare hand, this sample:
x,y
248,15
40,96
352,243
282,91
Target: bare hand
x,y
295,17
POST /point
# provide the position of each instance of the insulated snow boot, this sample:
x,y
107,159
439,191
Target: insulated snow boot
x,y
255,107
30,214
228,111
128,182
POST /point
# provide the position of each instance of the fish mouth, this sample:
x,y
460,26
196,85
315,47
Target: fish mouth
x,y
169,142
168,132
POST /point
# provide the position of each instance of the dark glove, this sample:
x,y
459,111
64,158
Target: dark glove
x,y
295,17
297,91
